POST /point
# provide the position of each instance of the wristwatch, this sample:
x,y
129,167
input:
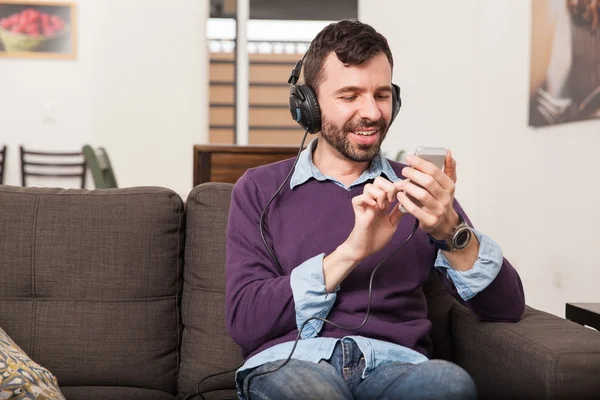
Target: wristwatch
x,y
458,239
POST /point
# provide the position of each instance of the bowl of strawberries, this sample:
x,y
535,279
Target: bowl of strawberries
x,y
29,29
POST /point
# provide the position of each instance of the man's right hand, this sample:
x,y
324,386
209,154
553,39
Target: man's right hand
x,y
374,226
374,223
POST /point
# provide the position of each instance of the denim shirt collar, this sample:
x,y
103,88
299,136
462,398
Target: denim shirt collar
x,y
306,169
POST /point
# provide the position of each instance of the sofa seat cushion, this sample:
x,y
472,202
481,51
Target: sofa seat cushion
x,y
20,376
113,393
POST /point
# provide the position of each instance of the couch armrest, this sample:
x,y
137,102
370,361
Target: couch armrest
x,y
541,356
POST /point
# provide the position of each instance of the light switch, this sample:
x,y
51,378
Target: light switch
x,y
48,112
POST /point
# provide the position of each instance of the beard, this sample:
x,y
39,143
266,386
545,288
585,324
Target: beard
x,y
337,137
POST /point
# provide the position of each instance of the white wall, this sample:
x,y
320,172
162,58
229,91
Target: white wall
x,y
464,70
141,90
139,87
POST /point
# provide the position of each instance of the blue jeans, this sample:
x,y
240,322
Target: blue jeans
x,y
340,377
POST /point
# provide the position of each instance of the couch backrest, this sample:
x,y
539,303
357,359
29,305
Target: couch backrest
x,y
206,345
91,282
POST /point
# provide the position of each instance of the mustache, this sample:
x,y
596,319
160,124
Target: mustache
x,y
365,123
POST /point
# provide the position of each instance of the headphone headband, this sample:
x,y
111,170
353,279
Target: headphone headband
x,y
295,75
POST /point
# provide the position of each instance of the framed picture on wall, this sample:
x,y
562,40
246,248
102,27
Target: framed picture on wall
x,y
565,61
30,29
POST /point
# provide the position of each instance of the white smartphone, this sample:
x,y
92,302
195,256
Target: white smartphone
x,y
436,156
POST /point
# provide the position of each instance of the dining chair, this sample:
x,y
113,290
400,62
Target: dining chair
x,y
99,165
52,164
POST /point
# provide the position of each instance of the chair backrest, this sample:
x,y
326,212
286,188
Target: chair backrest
x,y
52,164
99,164
2,158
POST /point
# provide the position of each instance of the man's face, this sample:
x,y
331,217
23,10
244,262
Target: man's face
x,y
356,106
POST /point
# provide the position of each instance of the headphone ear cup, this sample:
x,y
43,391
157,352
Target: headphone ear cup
x,y
310,108
396,101
295,105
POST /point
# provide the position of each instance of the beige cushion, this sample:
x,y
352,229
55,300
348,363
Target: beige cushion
x,y
21,376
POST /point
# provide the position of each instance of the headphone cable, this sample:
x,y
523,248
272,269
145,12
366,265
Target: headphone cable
x,y
264,211
200,395
278,265
273,257
415,226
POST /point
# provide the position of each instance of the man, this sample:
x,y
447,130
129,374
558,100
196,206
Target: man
x,y
330,226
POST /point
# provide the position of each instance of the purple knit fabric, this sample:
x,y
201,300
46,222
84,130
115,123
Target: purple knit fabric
x,y
314,218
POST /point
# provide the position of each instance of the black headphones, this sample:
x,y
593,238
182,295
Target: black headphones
x,y
304,106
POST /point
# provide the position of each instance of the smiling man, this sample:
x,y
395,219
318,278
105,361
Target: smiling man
x,y
331,226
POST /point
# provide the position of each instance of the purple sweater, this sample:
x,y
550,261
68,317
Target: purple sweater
x,y
314,218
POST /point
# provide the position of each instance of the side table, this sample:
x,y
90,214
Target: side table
x,y
227,163
584,314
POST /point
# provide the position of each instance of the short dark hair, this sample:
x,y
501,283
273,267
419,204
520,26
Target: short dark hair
x,y
352,41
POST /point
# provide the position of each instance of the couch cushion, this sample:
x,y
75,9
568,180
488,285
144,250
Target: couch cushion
x,y
20,376
113,393
439,304
207,347
91,282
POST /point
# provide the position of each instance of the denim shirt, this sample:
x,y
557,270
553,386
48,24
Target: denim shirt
x,y
311,298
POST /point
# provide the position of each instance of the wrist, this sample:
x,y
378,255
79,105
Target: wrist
x,y
337,265
458,239
347,254
444,232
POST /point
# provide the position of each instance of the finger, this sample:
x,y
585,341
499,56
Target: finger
x,y
377,194
422,195
430,169
411,207
395,216
399,185
388,187
364,201
427,182
450,166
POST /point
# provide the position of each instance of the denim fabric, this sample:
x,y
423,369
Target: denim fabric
x,y
310,297
348,360
306,169
340,377
486,268
376,353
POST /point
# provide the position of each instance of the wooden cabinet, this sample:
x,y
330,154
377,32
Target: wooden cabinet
x,y
227,163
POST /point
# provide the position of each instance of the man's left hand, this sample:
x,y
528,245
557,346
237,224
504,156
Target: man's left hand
x,y
434,189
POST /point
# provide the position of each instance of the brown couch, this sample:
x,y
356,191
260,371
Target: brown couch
x,y
120,293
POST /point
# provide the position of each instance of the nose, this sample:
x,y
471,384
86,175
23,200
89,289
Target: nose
x,y
369,109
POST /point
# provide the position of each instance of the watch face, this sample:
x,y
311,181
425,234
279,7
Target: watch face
x,y
462,238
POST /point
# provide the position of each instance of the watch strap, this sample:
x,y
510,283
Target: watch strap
x,y
443,244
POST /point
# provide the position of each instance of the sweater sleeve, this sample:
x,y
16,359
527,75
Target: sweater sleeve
x,y
500,299
259,301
